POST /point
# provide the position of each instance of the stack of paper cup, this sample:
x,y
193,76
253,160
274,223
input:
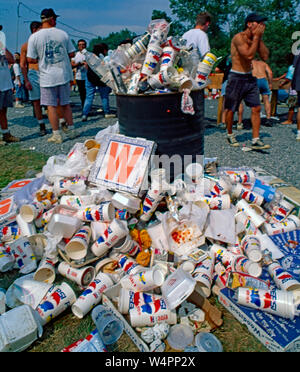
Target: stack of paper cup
x,y
127,246
251,247
152,59
104,212
115,231
241,192
139,47
81,276
210,59
45,271
257,220
144,281
203,71
57,300
129,265
244,177
169,54
289,224
77,247
92,295
129,299
6,260
203,274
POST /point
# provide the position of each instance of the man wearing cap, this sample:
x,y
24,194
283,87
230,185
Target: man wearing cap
x,y
52,48
242,85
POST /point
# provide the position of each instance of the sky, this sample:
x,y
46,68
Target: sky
x,y
90,18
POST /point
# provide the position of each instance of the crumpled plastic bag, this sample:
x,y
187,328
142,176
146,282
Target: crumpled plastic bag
x,y
187,104
158,332
26,194
112,129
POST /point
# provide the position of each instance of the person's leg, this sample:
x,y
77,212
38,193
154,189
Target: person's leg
x,y
298,118
290,117
240,124
90,93
8,99
267,105
82,91
53,117
104,94
67,114
255,121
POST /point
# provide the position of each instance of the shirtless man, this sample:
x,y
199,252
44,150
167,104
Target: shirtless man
x,y
32,81
241,83
263,73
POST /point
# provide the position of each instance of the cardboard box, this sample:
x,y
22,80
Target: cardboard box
x,y
274,332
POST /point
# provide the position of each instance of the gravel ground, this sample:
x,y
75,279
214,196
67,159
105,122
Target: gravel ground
x,y
281,160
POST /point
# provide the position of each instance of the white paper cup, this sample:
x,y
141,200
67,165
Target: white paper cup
x,y
111,236
45,271
29,212
251,247
77,247
59,299
219,187
195,172
22,252
27,229
221,254
241,192
289,224
92,295
203,274
38,244
152,59
244,265
243,177
6,260
220,202
168,57
81,276
129,265
182,82
104,212
203,71
129,299
283,279
167,76
155,81
257,220
282,210
210,59
143,281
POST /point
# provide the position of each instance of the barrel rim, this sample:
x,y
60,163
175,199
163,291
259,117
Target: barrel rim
x,y
155,94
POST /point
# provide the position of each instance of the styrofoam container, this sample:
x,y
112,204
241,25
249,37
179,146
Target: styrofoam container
x,y
19,328
122,200
63,225
177,287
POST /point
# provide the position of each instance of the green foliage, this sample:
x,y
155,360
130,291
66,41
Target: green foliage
x,y
113,39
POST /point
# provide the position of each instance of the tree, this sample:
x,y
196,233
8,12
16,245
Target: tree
x,y
113,39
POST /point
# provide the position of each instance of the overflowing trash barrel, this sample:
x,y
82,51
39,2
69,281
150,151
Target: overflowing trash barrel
x,y
159,118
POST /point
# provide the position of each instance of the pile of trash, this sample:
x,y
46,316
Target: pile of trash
x,y
154,64
153,251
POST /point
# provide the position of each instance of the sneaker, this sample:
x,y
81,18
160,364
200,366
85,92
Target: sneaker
x,y
19,105
9,138
262,116
83,118
298,137
55,138
232,141
240,126
223,125
108,116
100,110
2,143
259,145
268,123
64,127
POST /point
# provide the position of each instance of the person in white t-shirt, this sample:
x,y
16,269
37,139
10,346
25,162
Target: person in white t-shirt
x,y
18,82
81,69
197,37
52,48
6,96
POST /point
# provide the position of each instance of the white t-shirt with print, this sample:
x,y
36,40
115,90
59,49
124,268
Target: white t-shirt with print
x,y
5,76
18,72
80,70
198,39
51,46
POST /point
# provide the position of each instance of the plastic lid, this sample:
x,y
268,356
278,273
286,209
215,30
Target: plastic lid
x,y
180,336
208,343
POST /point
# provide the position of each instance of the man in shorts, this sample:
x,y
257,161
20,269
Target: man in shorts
x,y
296,86
52,49
242,84
32,80
263,73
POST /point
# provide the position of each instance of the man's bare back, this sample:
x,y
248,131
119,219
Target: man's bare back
x,y
259,69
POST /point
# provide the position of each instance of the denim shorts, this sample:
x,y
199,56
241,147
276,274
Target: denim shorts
x,y
6,99
241,87
34,78
55,96
263,86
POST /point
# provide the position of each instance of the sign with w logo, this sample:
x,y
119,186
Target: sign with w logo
x,y
122,163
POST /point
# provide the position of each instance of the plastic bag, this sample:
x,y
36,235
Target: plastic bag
x,y
187,104
112,129
26,194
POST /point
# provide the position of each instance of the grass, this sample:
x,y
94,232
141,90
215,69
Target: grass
x,y
67,329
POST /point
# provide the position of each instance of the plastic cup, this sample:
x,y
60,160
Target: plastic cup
x,y
152,59
92,295
6,260
92,155
180,336
144,281
111,236
56,302
81,276
77,247
195,172
45,271
208,343
110,328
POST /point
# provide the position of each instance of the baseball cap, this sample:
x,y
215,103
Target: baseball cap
x,y
48,13
254,17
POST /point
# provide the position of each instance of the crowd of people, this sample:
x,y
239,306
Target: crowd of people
x,y
44,69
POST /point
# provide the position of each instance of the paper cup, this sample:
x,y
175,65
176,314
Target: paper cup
x,y
127,246
182,82
195,172
92,154
150,203
81,276
283,279
77,247
168,57
221,254
143,281
129,299
7,261
220,202
38,243
210,59
30,212
244,265
289,224
152,59
92,295
139,47
45,271
129,265
167,76
244,177
90,143
257,220
22,252
104,212
59,299
241,192
203,274
251,247
203,71
111,236
10,233
220,187
281,211
44,219
155,81
27,229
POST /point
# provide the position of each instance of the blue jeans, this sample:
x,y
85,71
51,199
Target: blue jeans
x,y
91,89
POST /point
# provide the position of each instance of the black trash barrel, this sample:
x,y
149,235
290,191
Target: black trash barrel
x,y
159,118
